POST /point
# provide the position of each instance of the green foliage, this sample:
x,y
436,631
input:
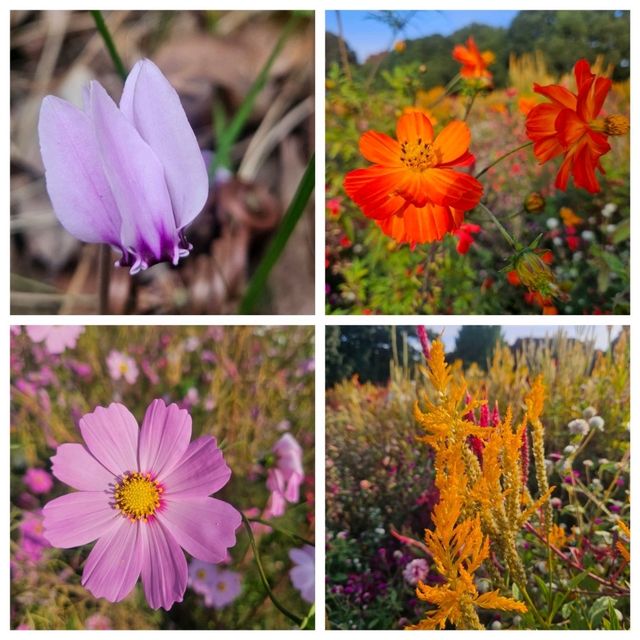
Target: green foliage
x,y
476,343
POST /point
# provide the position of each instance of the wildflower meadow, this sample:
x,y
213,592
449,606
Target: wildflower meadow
x,y
470,493
480,171
154,170
162,477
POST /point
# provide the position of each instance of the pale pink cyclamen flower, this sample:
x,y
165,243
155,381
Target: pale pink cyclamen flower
x,y
303,574
285,478
220,587
56,339
38,480
121,365
143,494
132,175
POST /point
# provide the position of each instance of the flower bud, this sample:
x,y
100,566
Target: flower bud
x,y
535,274
534,203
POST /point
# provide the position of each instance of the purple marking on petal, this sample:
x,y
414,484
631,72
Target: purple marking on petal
x,y
164,568
201,471
75,466
76,182
111,435
114,564
153,105
164,438
204,527
137,181
78,518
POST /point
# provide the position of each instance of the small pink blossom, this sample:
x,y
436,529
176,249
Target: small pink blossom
x,y
97,621
415,571
142,493
38,480
122,366
220,587
56,339
303,574
285,478
32,541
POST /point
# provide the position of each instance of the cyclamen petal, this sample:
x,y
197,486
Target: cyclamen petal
x,y
143,503
131,177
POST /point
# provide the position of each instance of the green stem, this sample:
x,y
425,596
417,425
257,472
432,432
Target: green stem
x,y
502,157
108,41
532,607
472,99
447,90
229,134
292,616
289,221
284,532
505,234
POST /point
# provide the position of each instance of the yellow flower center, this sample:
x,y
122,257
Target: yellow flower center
x,y
418,155
201,573
221,586
137,496
123,367
616,125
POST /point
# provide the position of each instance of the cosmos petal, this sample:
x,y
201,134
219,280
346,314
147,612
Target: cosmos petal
x,y
414,127
452,142
450,188
75,466
380,148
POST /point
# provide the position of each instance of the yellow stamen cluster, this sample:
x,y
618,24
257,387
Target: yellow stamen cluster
x,y
137,496
417,155
616,125
483,503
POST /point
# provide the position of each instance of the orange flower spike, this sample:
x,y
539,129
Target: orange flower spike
x,y
569,125
412,190
474,64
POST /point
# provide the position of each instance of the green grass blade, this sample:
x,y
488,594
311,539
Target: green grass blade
x,y
101,25
289,221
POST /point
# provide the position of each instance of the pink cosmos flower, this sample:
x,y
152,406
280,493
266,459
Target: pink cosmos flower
x,y
37,480
285,478
56,339
122,366
32,541
132,175
415,571
97,621
303,574
220,587
143,494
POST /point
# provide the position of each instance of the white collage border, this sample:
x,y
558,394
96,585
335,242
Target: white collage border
x,y
319,319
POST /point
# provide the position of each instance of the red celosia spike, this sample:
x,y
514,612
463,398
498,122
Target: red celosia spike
x,y
470,416
495,415
424,341
484,414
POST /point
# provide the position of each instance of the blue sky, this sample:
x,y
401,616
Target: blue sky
x,y
366,36
512,333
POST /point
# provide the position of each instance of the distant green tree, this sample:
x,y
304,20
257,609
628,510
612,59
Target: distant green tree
x,y
476,343
332,50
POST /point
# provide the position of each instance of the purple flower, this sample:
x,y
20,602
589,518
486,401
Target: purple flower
x,y
32,540
285,479
219,587
121,365
37,480
143,494
132,177
303,574
56,339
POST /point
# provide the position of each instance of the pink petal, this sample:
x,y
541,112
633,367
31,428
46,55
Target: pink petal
x,y
78,188
200,472
137,180
111,435
114,564
78,518
164,568
204,527
75,466
164,437
153,106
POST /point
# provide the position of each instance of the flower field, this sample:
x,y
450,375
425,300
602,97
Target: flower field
x,y
476,194
482,498
120,435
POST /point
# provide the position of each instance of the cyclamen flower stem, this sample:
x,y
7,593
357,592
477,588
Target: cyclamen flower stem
x,y
102,28
505,234
104,273
289,221
292,616
502,157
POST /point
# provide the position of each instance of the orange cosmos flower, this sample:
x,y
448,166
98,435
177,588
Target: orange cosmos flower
x,y
569,125
474,64
412,191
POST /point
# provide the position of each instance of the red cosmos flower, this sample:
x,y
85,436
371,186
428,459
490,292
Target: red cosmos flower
x,y
412,191
474,64
465,239
569,125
